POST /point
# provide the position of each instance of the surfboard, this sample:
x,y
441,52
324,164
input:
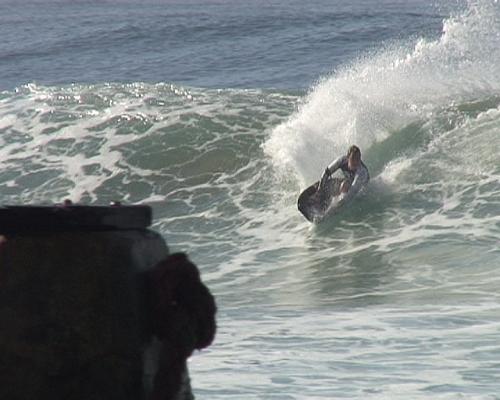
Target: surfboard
x,y
316,203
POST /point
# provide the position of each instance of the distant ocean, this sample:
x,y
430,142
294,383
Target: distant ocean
x,y
217,113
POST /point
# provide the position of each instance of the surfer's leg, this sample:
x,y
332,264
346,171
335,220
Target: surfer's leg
x,y
344,186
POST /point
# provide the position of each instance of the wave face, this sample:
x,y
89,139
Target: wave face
x,y
193,154
395,297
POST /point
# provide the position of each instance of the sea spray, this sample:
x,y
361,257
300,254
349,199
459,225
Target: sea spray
x,y
382,93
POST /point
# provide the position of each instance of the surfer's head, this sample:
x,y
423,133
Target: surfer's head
x,y
353,157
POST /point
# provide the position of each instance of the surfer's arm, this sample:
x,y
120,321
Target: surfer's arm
x,y
335,165
329,171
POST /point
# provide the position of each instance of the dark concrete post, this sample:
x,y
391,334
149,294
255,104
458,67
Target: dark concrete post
x,y
76,299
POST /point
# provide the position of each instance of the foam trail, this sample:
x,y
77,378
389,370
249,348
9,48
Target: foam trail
x,y
366,102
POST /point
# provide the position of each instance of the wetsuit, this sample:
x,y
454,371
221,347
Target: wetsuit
x,y
358,179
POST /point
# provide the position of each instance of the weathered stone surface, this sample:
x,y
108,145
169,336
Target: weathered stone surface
x,y
72,317
67,217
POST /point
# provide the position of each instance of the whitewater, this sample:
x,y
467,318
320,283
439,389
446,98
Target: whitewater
x,y
396,296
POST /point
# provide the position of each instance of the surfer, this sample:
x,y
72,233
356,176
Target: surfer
x,y
326,196
354,170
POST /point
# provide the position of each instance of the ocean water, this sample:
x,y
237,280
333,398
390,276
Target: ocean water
x,y
218,113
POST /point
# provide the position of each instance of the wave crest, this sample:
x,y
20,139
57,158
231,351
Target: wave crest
x,y
382,93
